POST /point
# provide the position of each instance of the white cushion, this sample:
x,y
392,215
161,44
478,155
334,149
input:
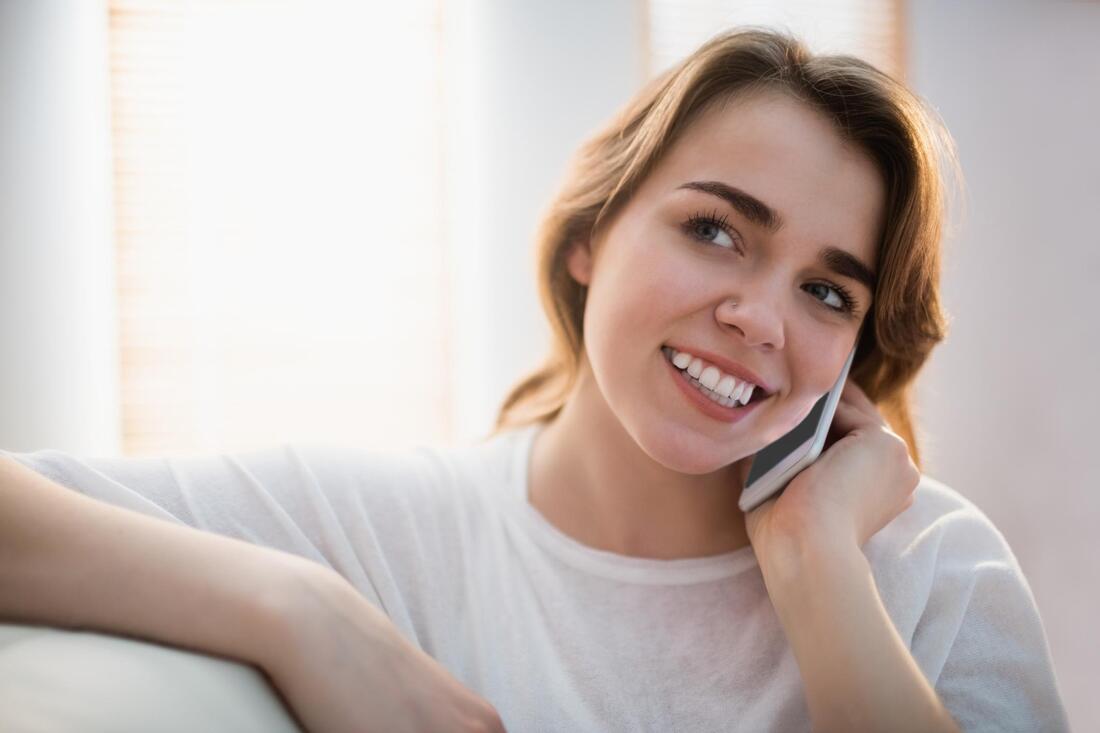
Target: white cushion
x,y
55,680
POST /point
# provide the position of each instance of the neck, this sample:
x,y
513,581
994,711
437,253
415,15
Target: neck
x,y
590,479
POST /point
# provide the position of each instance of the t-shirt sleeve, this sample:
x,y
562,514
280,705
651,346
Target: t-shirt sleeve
x,y
398,524
303,501
989,657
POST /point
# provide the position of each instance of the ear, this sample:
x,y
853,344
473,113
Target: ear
x,y
578,260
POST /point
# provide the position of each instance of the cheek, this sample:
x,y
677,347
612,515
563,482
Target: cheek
x,y
637,290
676,283
616,320
666,272
818,367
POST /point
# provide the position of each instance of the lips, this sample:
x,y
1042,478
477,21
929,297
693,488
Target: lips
x,y
734,369
703,403
758,395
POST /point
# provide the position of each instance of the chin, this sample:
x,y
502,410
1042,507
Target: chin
x,y
684,450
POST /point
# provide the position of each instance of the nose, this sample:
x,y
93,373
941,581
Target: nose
x,y
756,318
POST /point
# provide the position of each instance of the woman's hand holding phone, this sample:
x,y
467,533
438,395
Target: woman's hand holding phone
x,y
345,667
863,478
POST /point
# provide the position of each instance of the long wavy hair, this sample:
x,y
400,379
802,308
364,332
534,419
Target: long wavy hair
x,y
909,145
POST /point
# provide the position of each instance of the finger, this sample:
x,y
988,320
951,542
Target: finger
x,y
846,420
849,417
853,395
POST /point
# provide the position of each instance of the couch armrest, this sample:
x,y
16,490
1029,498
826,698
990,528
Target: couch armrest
x,y
56,680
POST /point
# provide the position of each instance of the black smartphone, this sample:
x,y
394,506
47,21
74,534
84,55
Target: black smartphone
x,y
779,462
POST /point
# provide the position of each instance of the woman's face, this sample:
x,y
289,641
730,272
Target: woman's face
x,y
665,269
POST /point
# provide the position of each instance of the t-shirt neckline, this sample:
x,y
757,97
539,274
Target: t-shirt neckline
x,y
624,568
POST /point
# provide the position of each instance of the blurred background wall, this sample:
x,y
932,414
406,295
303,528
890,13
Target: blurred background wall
x,y
1018,85
58,315
225,225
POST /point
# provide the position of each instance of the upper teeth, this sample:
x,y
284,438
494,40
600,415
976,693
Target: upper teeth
x,y
712,377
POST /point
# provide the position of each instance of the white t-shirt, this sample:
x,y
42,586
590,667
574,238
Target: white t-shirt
x,y
559,636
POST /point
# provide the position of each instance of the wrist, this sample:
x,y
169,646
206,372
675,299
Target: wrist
x,y
792,561
294,596
306,608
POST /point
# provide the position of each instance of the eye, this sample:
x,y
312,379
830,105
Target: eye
x,y
706,227
844,303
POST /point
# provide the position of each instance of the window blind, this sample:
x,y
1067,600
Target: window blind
x,y
281,256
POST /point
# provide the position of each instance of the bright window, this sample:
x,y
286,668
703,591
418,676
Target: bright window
x,y
282,258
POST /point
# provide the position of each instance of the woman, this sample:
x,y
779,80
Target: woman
x,y
587,567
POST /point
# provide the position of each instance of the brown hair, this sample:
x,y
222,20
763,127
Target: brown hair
x,y
870,109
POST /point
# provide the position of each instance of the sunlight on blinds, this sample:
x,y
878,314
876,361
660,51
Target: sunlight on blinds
x,y
870,29
282,259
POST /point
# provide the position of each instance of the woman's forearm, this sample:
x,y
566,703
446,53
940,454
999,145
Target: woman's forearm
x,y
71,561
857,672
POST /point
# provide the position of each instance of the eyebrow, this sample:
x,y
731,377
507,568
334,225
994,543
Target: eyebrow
x,y
837,260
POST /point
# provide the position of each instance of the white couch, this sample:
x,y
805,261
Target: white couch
x,y
59,681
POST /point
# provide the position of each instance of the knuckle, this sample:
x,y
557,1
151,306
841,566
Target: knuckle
x,y
893,442
489,720
900,447
488,724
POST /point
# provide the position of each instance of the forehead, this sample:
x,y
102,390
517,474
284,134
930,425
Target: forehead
x,y
789,156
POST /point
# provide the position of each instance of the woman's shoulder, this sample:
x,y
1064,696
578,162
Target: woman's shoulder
x,y
424,473
942,520
926,562
960,600
934,552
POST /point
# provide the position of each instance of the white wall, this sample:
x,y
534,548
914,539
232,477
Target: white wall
x,y
1009,401
58,370
531,80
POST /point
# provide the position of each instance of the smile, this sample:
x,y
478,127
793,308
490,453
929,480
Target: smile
x,y
706,400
